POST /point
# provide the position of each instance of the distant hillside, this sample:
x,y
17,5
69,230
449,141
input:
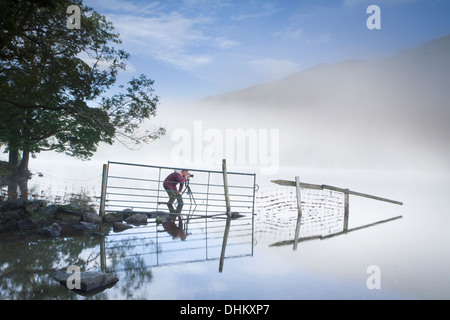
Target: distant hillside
x,y
390,113
428,64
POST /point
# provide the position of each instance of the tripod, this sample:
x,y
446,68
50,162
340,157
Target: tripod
x,y
192,202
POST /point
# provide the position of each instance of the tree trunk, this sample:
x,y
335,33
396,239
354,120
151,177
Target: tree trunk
x,y
12,189
23,186
22,169
13,158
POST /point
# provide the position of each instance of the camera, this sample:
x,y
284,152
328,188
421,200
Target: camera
x,y
191,175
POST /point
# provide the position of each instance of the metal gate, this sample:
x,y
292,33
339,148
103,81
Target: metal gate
x,y
131,189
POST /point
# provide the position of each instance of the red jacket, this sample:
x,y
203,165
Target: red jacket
x,y
172,179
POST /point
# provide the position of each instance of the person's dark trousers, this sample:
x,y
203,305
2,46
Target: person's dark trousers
x,y
174,194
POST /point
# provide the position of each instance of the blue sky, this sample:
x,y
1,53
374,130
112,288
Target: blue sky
x,y
197,48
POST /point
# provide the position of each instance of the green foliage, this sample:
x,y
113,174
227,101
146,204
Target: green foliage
x,y
54,81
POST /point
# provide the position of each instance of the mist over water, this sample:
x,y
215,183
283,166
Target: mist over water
x,y
377,127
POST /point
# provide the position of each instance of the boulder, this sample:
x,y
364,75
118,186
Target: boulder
x,y
51,231
127,212
67,217
91,217
11,204
28,224
137,219
154,214
90,281
48,210
69,213
120,226
83,225
72,209
113,217
11,214
34,206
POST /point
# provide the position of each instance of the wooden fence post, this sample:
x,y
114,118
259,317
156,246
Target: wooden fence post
x,y
103,192
225,186
299,216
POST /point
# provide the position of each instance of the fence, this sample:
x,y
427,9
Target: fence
x,y
211,200
139,188
316,211
309,211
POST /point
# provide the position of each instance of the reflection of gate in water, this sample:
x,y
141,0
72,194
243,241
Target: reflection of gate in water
x,y
151,245
196,235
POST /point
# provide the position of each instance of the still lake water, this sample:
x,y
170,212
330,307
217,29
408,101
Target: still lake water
x,y
152,265
411,253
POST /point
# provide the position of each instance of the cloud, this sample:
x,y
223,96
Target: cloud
x,y
266,10
171,38
209,4
149,7
225,43
288,33
177,36
351,3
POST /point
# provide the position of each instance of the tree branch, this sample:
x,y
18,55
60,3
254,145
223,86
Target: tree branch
x,y
34,106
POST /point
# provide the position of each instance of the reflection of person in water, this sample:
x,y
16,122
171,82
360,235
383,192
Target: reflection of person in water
x,y
175,231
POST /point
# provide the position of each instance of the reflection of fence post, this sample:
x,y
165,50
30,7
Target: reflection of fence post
x,y
346,209
227,203
299,216
224,243
103,193
102,254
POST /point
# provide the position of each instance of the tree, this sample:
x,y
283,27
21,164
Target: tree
x,y
54,83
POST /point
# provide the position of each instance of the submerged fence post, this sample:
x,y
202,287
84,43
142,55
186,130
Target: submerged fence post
x,y
299,217
103,193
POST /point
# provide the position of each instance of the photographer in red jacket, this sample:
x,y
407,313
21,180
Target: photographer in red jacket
x,y
170,185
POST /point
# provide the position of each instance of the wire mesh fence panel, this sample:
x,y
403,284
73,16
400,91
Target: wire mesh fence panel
x,y
277,212
323,212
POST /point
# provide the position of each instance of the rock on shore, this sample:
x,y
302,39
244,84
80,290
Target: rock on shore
x,y
89,281
49,220
37,217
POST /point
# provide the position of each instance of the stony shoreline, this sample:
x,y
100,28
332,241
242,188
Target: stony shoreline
x,y
20,218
